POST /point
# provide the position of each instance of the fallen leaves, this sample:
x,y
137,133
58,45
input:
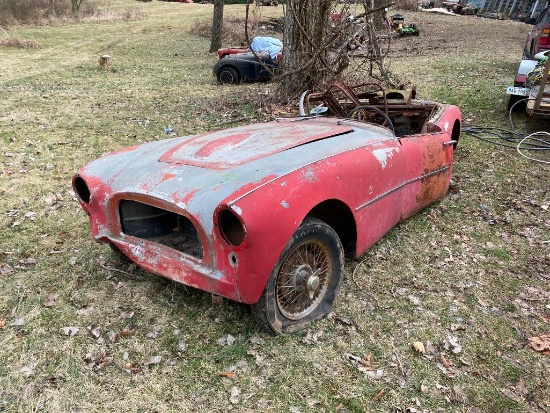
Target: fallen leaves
x,y
451,343
96,364
18,322
418,346
363,365
453,395
379,395
95,332
541,344
234,394
28,370
180,349
445,362
5,269
52,199
312,337
227,374
343,320
458,327
152,360
70,331
51,300
226,340
25,263
131,367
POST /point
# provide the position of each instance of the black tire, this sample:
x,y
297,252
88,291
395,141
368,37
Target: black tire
x,y
227,74
305,281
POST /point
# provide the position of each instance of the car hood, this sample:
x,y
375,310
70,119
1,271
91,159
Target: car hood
x,y
197,173
233,147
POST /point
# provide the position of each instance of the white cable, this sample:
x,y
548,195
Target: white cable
x,y
530,137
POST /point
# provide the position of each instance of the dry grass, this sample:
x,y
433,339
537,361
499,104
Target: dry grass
x,y
474,266
19,43
233,29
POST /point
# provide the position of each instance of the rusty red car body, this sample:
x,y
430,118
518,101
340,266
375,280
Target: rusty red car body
x,y
217,211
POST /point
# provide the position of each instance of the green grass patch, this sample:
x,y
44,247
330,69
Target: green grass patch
x,y
470,269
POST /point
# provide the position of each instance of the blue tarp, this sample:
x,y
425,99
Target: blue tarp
x,y
271,45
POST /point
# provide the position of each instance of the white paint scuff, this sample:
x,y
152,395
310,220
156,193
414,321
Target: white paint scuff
x,y
382,155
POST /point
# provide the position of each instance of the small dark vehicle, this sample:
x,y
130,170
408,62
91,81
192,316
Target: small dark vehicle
x,y
244,67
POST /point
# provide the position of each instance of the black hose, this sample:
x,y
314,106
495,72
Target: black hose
x,y
505,138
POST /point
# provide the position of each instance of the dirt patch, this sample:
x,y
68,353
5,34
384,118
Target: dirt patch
x,y
454,35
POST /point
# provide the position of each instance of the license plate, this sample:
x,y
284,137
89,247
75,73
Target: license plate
x,y
520,91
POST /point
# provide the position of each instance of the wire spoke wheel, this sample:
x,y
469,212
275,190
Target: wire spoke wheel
x,y
303,279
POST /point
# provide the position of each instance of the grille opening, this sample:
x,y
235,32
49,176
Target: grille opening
x,y
82,189
158,225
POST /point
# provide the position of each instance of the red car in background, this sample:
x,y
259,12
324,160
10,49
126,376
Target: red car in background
x,y
538,39
226,51
259,43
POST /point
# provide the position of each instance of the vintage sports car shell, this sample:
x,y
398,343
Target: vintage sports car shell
x,y
245,67
262,213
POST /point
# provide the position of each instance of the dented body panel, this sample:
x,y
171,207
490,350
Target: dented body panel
x,y
259,182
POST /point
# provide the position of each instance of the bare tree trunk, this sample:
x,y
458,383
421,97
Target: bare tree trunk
x,y
321,39
305,38
375,25
217,26
51,8
76,5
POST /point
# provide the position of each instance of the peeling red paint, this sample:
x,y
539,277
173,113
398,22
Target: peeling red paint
x,y
211,147
251,187
167,177
176,197
229,148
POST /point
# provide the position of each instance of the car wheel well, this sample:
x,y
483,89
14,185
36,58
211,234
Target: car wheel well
x,y
339,217
455,134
